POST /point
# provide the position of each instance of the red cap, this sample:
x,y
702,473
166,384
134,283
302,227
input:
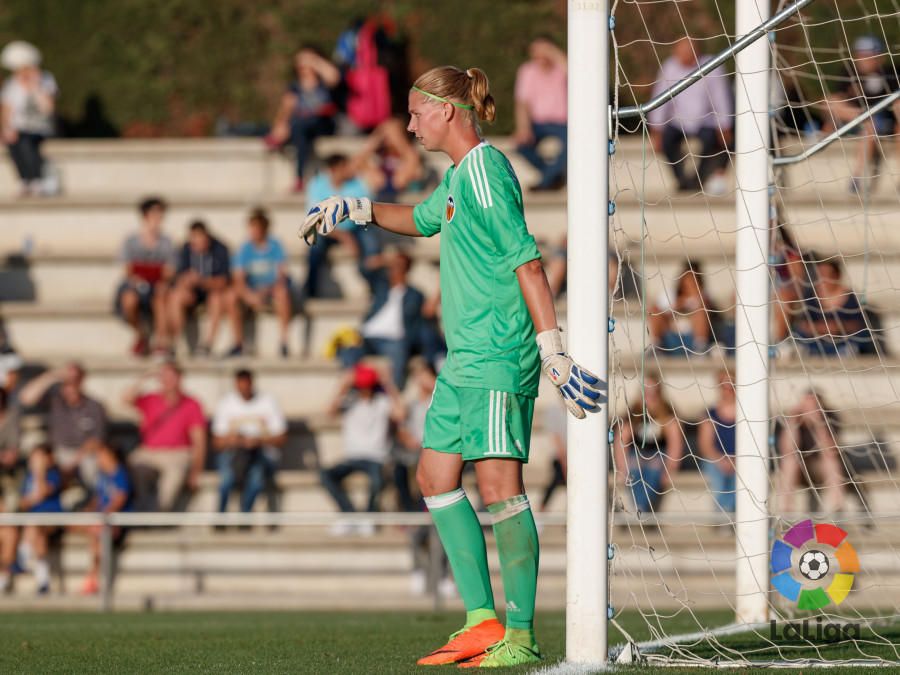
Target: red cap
x,y
365,377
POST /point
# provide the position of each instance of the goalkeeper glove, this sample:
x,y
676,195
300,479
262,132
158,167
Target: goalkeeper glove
x,y
324,217
580,389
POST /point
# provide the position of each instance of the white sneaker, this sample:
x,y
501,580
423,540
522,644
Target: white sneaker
x,y
418,582
341,529
716,186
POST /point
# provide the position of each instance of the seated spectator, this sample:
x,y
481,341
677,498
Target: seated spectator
x,y
542,110
870,78
249,431
40,494
555,426
398,165
717,445
393,322
341,177
703,111
792,278
76,422
27,106
148,256
409,437
833,321
681,320
260,281
172,448
307,108
365,434
202,277
808,451
113,495
648,447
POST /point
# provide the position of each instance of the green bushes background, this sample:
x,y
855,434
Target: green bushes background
x,y
171,67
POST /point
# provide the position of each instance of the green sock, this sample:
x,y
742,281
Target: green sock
x,y
460,533
517,545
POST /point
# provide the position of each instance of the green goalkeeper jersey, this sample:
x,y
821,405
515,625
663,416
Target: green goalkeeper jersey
x,y
477,208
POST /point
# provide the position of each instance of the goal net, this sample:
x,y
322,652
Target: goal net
x,y
831,581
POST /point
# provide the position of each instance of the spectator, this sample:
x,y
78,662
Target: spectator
x,y
792,278
409,436
307,108
261,281
27,106
77,423
681,320
398,165
555,425
203,275
834,322
393,323
432,344
365,432
703,111
648,447
40,494
542,110
249,431
870,79
113,495
341,177
10,417
172,449
716,440
809,452
148,256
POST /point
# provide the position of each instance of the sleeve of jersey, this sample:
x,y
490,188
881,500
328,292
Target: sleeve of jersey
x,y
498,193
428,215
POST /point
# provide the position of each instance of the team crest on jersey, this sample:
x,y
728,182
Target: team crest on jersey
x,y
451,208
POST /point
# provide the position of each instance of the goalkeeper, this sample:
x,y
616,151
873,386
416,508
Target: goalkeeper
x,y
496,303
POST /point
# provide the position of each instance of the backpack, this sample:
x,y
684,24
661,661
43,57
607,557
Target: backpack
x,y
369,101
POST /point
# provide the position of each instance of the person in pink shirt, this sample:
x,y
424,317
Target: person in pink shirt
x,y
173,438
542,110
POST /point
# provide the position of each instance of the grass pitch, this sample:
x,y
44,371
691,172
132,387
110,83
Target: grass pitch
x,y
308,642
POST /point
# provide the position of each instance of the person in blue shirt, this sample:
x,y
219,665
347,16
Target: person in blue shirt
x,y
112,494
260,281
40,494
717,445
341,176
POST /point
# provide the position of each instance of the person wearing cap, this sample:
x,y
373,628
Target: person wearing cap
x,y
27,105
367,403
870,78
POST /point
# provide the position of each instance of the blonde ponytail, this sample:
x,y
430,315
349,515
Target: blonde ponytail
x,y
480,95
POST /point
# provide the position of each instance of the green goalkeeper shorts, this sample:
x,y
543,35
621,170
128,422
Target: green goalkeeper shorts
x,y
478,423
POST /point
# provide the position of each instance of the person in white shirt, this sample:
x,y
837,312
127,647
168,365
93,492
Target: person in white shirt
x,y
703,111
366,434
249,431
27,105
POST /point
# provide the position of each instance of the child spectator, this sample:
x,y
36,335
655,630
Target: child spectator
x,y
307,108
808,447
341,177
716,440
249,431
541,110
27,106
833,321
398,164
648,447
261,281
149,257
681,321
40,494
173,439
112,495
365,432
203,275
